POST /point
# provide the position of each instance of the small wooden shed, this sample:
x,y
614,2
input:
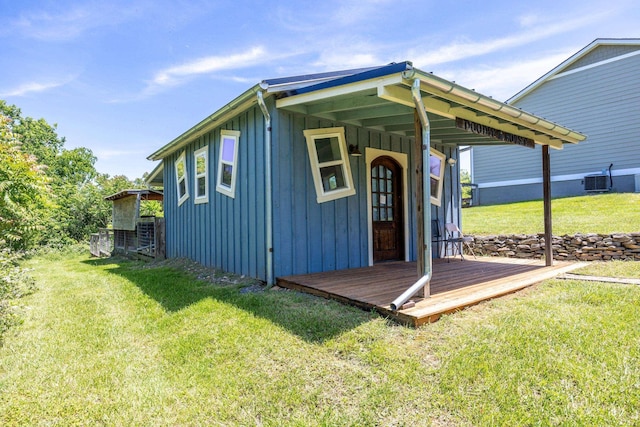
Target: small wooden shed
x,y
133,233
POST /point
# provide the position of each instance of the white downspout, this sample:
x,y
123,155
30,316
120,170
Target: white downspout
x,y
267,185
424,281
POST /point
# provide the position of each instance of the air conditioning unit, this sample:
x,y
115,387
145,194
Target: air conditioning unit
x,y
596,183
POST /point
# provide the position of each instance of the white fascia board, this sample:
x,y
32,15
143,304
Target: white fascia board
x,y
330,92
572,59
596,64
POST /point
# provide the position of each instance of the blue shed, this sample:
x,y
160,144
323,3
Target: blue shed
x,y
323,172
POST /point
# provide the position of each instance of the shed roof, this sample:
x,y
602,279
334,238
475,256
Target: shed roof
x,y
573,59
380,98
144,194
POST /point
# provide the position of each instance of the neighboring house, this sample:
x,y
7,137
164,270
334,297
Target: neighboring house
x,y
318,172
596,91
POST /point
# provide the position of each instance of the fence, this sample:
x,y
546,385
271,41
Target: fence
x,y
101,243
148,239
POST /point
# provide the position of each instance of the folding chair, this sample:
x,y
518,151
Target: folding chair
x,y
456,239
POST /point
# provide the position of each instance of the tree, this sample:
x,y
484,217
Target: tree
x,y
465,178
24,193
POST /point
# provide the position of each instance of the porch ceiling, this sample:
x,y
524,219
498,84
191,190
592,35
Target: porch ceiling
x,y
385,104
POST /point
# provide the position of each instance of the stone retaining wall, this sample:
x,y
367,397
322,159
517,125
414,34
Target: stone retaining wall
x,y
582,247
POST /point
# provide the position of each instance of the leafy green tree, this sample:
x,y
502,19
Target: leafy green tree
x,y
60,195
465,178
24,193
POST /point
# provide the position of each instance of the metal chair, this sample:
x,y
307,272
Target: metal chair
x,y
456,239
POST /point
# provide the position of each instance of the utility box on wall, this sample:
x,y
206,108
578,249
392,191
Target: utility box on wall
x,y
637,177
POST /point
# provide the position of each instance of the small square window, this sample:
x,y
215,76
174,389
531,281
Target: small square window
x,y
201,175
329,163
181,179
227,164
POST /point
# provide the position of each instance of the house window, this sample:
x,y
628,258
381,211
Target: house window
x,y
201,176
329,163
436,172
227,165
181,179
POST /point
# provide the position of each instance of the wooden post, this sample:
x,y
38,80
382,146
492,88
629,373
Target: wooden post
x,y
417,155
546,190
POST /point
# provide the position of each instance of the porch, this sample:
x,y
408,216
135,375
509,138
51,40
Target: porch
x,y
455,285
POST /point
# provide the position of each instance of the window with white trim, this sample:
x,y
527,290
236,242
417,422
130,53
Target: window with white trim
x,y
227,163
329,163
181,179
436,173
201,176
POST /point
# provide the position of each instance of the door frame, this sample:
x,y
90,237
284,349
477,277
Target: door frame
x,y
370,154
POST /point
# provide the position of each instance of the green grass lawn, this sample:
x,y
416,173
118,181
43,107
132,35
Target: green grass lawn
x,y
601,213
112,342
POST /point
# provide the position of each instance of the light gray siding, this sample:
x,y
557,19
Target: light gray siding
x,y
602,102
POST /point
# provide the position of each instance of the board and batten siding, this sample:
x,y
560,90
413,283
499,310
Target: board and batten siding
x,y
226,233
600,101
314,237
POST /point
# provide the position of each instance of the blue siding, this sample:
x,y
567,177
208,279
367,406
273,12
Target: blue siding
x,y
312,237
227,233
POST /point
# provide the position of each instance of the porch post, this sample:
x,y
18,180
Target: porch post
x,y
546,190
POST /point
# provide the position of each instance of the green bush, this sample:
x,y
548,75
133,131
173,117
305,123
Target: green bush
x,y
15,283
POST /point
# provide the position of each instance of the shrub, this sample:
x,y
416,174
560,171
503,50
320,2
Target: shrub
x,y
15,283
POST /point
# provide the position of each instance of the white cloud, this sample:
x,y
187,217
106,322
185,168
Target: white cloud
x,y
463,48
32,87
207,65
333,60
70,23
502,82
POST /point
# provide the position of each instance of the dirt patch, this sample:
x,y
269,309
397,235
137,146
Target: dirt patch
x,y
208,274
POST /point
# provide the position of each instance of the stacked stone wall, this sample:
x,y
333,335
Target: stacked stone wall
x,y
579,247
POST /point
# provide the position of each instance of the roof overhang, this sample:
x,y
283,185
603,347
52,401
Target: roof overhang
x,y
156,178
144,194
383,101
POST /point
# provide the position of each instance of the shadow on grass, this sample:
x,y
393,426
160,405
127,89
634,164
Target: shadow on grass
x,y
312,318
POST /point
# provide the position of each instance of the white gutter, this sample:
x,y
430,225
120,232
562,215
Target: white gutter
x,y
424,281
268,188
544,126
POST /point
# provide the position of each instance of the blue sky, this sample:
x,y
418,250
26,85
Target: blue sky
x,y
123,78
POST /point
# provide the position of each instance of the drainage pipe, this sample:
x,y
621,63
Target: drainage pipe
x,y
425,245
267,185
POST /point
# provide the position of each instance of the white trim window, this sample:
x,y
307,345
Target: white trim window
x,y
201,175
182,184
436,173
329,163
228,162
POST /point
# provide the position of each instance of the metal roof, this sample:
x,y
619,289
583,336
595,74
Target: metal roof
x,y
379,98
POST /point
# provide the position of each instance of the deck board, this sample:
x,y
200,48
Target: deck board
x,y
455,285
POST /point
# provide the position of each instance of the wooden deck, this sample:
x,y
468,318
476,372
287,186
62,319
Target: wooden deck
x,y
454,285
